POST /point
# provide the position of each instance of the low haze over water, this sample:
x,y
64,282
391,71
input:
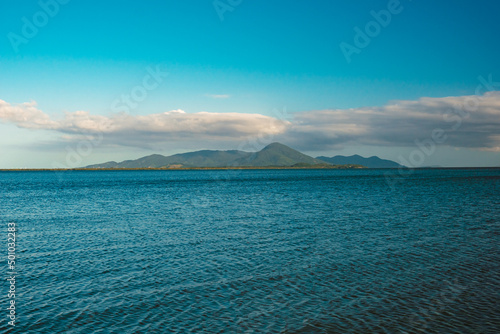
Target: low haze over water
x,y
255,251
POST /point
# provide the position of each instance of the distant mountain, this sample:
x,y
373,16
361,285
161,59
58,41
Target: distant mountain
x,y
372,162
275,154
205,158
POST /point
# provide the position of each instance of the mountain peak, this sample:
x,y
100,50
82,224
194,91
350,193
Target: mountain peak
x,y
275,145
277,154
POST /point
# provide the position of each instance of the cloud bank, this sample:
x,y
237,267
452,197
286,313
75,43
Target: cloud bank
x,y
468,121
141,130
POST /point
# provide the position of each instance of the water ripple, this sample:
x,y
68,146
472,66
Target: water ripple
x,y
255,252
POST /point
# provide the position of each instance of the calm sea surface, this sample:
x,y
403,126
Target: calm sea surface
x,y
253,251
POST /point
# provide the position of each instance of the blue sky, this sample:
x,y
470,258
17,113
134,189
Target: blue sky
x,y
261,58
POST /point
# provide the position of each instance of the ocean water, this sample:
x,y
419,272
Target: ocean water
x,y
253,251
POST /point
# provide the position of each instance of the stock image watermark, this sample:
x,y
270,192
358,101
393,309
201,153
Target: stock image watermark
x,y
254,143
11,273
427,147
151,80
32,25
223,6
90,140
363,37
262,139
425,316
75,154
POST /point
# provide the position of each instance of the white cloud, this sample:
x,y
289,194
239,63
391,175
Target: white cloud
x,y
218,96
469,121
26,115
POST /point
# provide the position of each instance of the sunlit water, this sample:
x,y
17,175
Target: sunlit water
x,y
254,251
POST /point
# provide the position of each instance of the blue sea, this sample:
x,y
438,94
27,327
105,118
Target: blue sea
x,y
253,251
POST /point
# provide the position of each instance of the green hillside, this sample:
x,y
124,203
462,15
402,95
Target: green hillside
x,y
273,155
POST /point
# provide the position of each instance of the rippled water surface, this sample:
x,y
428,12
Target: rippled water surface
x,y
254,251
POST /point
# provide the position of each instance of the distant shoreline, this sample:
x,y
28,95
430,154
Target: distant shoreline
x,y
166,169
211,168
